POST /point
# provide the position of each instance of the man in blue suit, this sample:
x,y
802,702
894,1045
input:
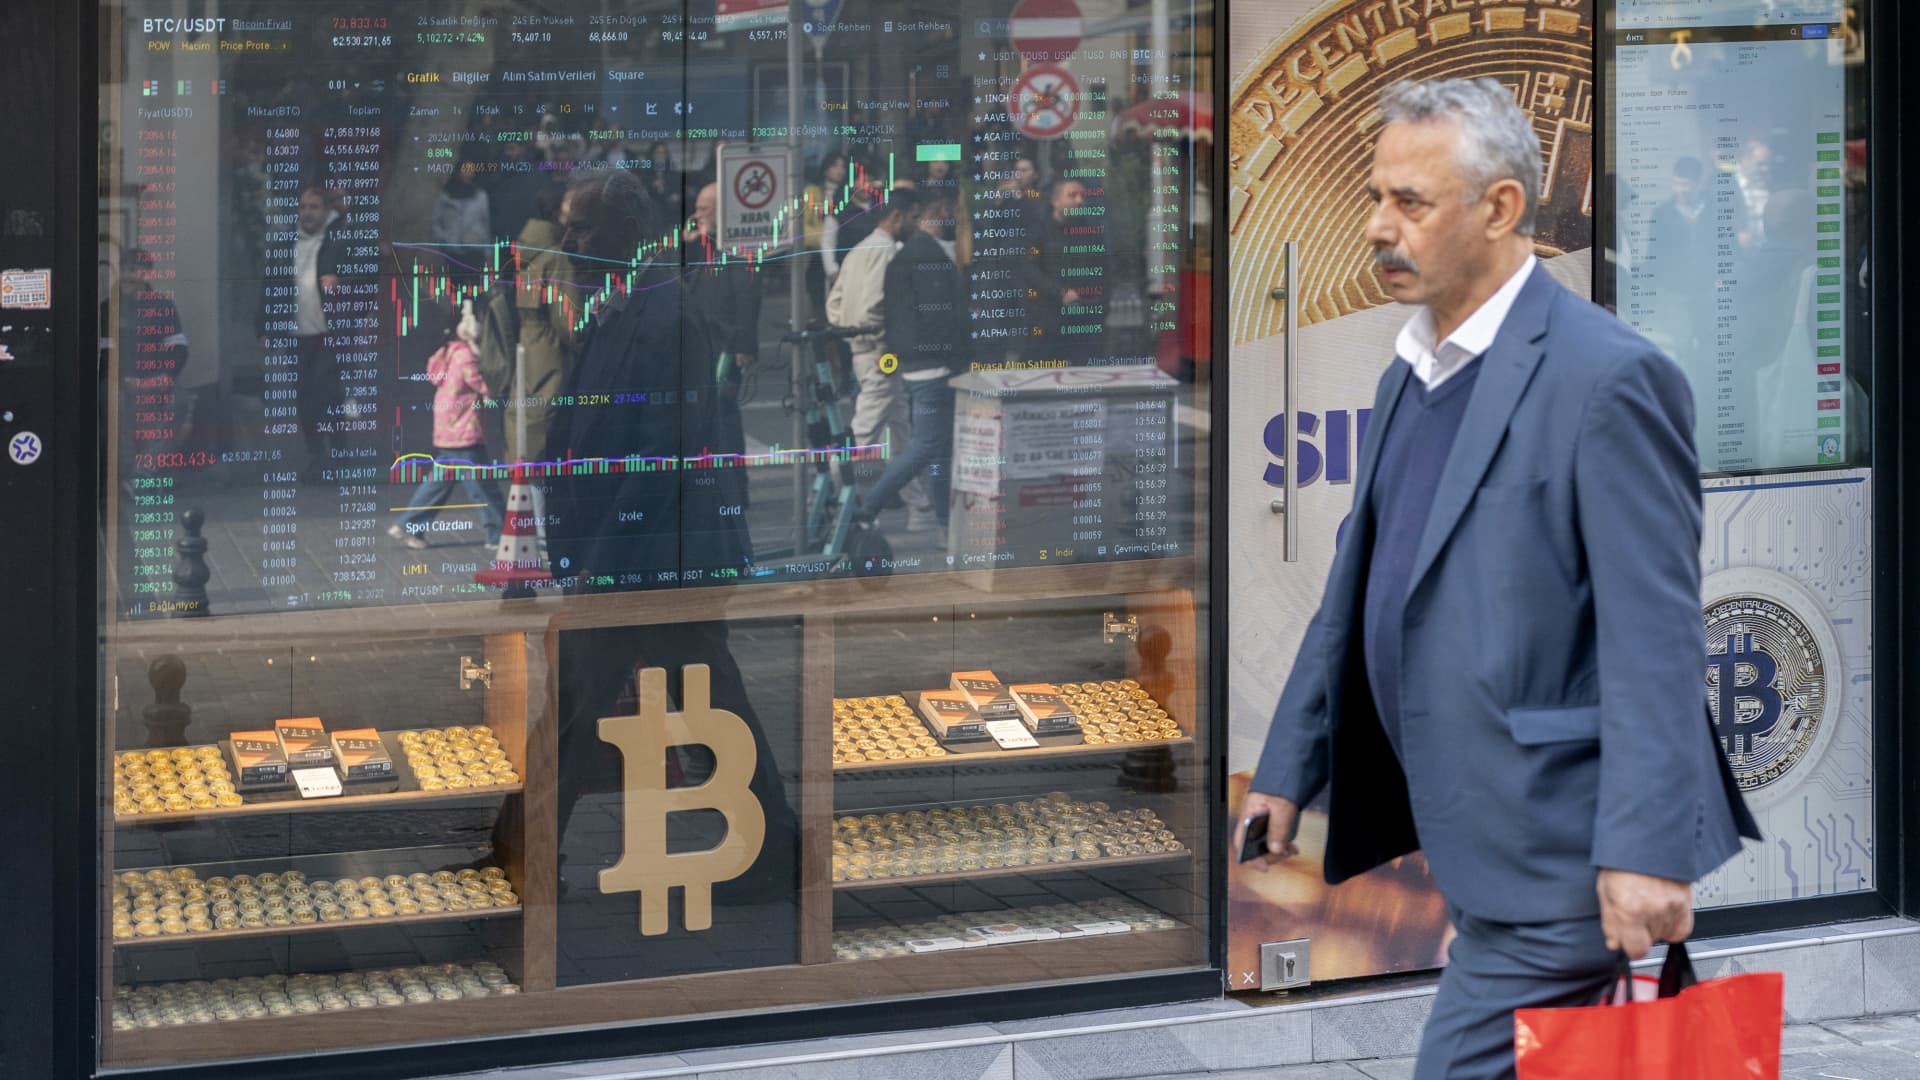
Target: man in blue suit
x,y
1507,669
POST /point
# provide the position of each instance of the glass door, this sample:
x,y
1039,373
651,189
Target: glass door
x,y
1307,78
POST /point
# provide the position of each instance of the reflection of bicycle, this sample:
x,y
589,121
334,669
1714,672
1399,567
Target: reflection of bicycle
x,y
833,495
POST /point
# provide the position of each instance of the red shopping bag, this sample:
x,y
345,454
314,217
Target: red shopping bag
x,y
1722,1029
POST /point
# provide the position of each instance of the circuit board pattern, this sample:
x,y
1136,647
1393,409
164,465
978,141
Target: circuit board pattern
x,y
1802,546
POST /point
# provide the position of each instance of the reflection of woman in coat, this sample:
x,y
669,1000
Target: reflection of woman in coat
x,y
549,304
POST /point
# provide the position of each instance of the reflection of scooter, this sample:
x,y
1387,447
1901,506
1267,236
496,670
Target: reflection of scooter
x,y
833,495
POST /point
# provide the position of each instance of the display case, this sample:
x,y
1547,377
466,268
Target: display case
x,y
617,517
894,858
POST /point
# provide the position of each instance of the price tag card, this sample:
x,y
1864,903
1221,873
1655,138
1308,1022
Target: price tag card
x,y
317,783
1011,734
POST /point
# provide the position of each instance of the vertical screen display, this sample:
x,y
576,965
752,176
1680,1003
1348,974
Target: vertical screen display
x,y
418,301
1737,245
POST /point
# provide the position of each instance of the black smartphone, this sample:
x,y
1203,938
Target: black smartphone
x,y
1255,844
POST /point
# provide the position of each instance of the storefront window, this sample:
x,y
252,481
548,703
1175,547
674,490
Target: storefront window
x,y
620,512
1739,219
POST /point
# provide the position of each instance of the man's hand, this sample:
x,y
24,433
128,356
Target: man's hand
x,y
1637,910
1283,821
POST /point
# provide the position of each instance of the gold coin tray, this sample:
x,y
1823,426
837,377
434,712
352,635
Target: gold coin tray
x,y
180,780
943,840
456,758
177,902
874,943
205,1002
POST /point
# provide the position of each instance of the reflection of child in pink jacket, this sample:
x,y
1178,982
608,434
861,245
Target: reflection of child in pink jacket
x,y
454,372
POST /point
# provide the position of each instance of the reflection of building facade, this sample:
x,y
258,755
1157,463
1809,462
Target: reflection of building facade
x,y
759,758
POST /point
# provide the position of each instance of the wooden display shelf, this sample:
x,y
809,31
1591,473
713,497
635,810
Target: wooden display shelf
x,y
1076,866
315,927
1013,965
389,800
1010,757
837,596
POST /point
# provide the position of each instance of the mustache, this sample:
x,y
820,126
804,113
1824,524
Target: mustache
x,y
1389,259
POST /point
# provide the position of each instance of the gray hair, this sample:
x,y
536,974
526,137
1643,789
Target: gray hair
x,y
1497,140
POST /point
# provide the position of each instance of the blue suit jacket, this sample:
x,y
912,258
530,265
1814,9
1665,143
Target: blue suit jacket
x,y
1554,666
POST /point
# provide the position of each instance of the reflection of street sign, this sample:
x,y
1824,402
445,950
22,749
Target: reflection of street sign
x,y
821,16
753,185
1044,101
754,199
1044,30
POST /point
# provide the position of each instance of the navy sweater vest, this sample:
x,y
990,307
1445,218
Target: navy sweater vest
x,y
1412,456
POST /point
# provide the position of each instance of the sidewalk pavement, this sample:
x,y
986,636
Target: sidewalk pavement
x,y
1868,1048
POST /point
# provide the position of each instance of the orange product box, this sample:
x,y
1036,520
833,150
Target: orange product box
x,y
304,741
258,759
361,755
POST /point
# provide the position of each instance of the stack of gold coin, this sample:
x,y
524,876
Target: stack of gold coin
x,y
880,729
944,840
201,1001
1118,711
456,758
180,780
171,901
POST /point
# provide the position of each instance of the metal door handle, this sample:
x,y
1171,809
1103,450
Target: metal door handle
x,y
1287,292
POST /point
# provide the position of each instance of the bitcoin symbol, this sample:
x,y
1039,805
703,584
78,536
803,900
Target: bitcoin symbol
x,y
1766,686
645,865
1744,674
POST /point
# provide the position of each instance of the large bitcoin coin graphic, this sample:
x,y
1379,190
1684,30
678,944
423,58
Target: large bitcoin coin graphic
x,y
645,865
1766,687
1301,131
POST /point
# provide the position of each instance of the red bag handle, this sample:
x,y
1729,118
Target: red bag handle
x,y
1676,973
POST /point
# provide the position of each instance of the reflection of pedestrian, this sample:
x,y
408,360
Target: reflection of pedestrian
x,y
639,527
651,527
1677,252
454,372
725,298
461,214
858,301
1506,667
926,329
518,188
1059,278
548,303
316,272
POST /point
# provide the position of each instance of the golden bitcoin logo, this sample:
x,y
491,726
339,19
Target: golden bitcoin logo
x,y
645,865
1300,136
889,363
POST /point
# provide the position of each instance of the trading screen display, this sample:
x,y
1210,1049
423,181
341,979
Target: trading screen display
x,y
1739,241
415,302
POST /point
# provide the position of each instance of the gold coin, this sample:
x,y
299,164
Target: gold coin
x,y
457,783
433,784
1094,739
916,753
896,755
936,751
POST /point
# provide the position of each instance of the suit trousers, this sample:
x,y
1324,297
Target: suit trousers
x,y
1495,968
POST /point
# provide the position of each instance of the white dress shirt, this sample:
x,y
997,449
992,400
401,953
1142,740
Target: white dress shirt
x,y
1434,364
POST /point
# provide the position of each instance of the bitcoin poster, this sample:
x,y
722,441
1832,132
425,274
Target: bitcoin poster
x,y
1306,81
1790,679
